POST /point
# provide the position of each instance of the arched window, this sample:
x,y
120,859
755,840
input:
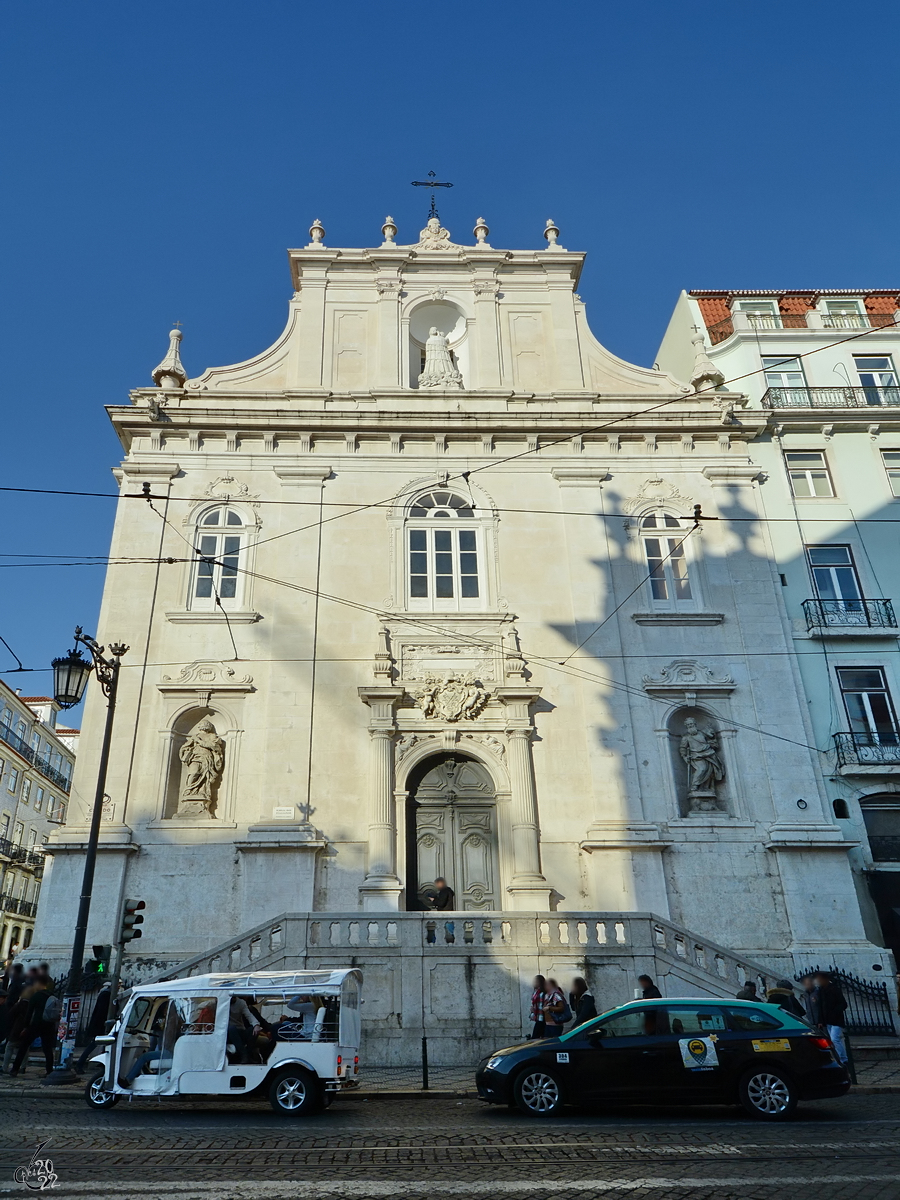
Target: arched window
x,y
221,536
443,552
663,537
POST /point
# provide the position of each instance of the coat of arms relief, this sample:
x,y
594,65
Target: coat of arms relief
x,y
451,698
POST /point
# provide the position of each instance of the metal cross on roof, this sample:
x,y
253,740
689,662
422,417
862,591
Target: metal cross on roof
x,y
431,182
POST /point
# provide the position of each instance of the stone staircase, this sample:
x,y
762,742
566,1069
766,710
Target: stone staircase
x,y
463,980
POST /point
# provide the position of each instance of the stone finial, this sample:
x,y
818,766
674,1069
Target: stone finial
x,y
706,375
551,233
481,232
389,231
316,233
170,373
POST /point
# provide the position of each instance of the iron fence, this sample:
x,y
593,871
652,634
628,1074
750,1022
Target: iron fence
x,y
869,1009
867,749
37,760
831,397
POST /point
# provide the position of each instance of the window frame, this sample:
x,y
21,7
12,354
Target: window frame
x,y
895,491
887,736
246,533
807,471
850,565
427,521
668,533
874,391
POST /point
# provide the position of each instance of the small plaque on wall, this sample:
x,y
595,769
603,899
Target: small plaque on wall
x,y
283,813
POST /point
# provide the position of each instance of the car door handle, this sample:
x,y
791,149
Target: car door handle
x,y
652,1053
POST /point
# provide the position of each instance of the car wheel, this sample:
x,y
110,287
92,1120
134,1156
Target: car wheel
x,y
768,1094
97,1098
295,1092
538,1093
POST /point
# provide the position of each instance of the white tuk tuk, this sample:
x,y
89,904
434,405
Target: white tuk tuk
x,y
291,1034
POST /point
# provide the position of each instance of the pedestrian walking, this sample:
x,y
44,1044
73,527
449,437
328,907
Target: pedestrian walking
x,y
17,1022
39,1028
829,1007
808,984
15,982
556,1010
538,995
748,991
782,994
649,990
581,1001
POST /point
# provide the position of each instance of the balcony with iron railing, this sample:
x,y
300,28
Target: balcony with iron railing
x,y
850,615
851,320
21,855
831,397
754,322
879,750
37,760
24,908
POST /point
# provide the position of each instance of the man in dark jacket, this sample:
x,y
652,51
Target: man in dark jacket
x,y
828,1008
581,1001
15,983
96,1025
782,994
37,1029
445,896
649,989
748,991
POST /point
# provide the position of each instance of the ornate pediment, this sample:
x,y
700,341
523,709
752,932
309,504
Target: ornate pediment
x,y
656,490
226,487
206,675
685,675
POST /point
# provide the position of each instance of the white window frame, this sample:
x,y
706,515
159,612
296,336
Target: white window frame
x,y
760,314
246,533
870,719
668,535
838,313
807,472
12,782
832,568
482,524
874,392
892,470
38,799
26,790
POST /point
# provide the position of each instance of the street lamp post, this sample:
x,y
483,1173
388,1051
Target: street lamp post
x,y
70,676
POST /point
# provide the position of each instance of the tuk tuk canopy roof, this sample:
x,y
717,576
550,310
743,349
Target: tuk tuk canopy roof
x,y
307,982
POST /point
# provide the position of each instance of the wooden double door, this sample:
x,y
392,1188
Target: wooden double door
x,y
456,832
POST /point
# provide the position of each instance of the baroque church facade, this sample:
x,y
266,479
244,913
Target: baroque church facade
x,y
424,593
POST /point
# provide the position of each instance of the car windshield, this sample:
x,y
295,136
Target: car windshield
x,y
687,1018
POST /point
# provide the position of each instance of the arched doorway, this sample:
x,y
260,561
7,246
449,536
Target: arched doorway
x,y
452,832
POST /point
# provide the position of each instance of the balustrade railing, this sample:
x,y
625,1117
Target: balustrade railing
x,y
21,855
868,749
11,904
873,614
831,397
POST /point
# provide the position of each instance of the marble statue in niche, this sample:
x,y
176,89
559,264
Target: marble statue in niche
x,y
203,758
440,369
699,750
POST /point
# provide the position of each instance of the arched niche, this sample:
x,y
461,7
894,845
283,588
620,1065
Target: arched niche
x,y
698,764
187,724
452,831
451,321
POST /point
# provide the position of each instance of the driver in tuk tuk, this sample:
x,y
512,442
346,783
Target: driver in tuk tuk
x,y
245,1024
157,1037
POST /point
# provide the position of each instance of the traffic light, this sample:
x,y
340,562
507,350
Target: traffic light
x,y
96,969
131,916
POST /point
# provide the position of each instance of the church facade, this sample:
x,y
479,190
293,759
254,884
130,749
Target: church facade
x,y
420,591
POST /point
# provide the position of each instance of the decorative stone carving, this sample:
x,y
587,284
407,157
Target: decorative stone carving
x,y
408,741
487,739
437,294
454,698
434,237
486,287
226,487
706,375
170,373
215,674
699,748
389,287
440,370
551,233
389,231
203,756
481,232
656,490
317,235
685,675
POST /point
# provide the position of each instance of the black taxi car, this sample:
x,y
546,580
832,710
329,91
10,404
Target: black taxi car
x,y
681,1051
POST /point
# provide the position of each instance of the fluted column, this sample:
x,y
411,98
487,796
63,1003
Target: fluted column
x,y
528,888
381,888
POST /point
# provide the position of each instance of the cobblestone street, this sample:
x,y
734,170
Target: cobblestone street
x,y
435,1147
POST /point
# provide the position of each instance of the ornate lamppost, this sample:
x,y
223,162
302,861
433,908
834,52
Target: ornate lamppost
x,y
70,676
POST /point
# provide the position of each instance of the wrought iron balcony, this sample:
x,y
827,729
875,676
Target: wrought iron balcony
x,y
885,847
832,397
868,749
25,908
21,855
849,614
724,329
40,763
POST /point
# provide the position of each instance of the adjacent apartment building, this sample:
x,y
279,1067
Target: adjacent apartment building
x,y
822,365
36,761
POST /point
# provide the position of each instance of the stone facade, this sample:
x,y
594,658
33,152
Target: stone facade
x,y
461,626
821,369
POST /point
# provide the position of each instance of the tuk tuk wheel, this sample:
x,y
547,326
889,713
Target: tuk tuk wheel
x,y
295,1092
97,1098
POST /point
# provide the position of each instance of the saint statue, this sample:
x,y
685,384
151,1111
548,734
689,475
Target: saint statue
x,y
203,755
440,369
699,749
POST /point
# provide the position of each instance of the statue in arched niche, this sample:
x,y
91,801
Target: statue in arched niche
x,y
699,749
203,756
440,369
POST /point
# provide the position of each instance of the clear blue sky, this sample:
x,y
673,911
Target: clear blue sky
x,y
160,157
